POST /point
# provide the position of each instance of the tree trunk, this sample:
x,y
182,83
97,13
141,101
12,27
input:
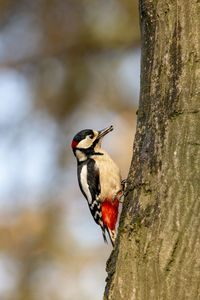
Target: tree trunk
x,y
157,253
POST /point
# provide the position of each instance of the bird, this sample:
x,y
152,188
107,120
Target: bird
x,y
99,179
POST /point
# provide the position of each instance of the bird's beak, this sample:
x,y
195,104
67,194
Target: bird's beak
x,y
104,131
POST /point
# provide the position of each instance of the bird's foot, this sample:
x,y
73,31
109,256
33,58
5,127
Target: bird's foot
x,y
121,193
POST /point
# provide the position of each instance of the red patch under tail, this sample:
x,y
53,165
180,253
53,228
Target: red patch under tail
x,y
110,213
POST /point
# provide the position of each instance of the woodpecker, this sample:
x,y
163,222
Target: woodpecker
x,y
99,179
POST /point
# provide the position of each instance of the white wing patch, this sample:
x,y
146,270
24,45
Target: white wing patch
x,y
85,187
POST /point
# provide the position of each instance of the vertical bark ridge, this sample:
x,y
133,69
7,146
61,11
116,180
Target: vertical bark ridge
x,y
157,251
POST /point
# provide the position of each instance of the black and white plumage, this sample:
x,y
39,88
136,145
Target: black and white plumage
x,y
99,178
88,179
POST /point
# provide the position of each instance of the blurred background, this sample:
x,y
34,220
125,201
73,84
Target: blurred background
x,y
65,65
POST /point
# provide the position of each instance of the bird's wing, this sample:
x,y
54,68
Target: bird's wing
x,y
93,179
91,189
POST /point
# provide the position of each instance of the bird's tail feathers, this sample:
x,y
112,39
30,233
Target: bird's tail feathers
x,y
104,234
112,235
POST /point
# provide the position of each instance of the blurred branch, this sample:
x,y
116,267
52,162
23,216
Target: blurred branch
x,y
65,52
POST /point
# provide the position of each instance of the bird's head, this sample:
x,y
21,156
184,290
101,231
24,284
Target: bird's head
x,y
88,142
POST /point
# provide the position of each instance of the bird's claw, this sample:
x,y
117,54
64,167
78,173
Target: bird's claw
x,y
121,193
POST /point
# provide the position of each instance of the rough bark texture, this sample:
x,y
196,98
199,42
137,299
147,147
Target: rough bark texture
x,y
157,254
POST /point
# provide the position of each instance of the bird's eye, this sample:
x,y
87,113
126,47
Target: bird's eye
x,y
91,136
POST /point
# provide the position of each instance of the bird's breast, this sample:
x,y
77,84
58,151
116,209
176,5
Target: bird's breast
x,y
109,176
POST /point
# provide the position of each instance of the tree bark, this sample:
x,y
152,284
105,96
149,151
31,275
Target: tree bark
x,y
157,253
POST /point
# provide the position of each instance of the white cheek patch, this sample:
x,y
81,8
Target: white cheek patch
x,y
85,187
80,155
86,143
